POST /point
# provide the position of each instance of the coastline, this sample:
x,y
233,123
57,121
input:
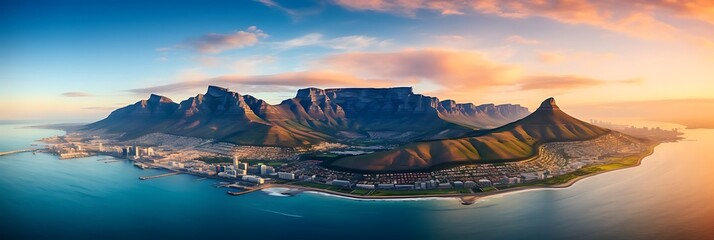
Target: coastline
x,y
465,198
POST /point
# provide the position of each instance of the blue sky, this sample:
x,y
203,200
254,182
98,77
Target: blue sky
x,y
80,59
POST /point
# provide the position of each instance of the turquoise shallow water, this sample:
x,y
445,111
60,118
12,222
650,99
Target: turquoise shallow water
x,y
42,197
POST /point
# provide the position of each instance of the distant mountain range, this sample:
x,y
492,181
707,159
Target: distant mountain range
x,y
314,115
514,141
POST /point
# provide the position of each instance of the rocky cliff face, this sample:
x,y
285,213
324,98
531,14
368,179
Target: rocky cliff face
x,y
313,115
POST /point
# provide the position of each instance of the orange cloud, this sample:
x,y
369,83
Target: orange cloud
x,y
702,10
559,82
457,74
638,18
567,82
550,57
449,68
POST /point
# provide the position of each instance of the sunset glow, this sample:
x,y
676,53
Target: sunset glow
x,y
89,58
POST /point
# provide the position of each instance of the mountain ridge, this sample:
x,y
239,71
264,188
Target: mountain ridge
x,y
314,115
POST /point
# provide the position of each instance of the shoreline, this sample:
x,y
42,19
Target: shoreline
x,y
465,198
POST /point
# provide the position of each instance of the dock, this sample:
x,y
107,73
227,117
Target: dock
x,y
158,176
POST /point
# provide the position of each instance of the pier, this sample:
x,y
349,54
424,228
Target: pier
x,y
158,176
17,151
243,192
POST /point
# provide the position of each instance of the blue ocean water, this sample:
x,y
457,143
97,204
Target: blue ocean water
x,y
42,197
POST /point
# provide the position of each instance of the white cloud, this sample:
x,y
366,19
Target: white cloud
x,y
342,43
216,43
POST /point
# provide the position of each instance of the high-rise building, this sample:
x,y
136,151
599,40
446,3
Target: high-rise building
x,y
243,166
150,152
137,151
101,148
235,161
263,169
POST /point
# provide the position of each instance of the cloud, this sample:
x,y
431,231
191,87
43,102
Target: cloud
x,y
640,18
77,94
454,73
550,57
451,12
275,82
341,43
567,82
216,43
451,69
702,10
294,13
522,40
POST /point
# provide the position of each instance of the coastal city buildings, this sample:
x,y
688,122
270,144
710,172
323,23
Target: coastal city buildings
x,y
553,159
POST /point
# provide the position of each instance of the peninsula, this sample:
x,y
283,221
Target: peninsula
x,y
359,143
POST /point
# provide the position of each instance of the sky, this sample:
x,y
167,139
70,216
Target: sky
x,y
641,59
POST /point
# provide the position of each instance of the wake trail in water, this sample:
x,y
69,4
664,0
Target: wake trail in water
x,y
281,213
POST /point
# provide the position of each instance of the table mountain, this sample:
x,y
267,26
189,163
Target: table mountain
x,y
312,116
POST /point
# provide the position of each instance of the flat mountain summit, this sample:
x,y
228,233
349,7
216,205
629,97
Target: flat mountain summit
x,y
314,115
514,141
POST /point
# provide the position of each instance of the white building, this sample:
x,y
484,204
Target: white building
x,y
286,175
253,179
484,182
365,186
